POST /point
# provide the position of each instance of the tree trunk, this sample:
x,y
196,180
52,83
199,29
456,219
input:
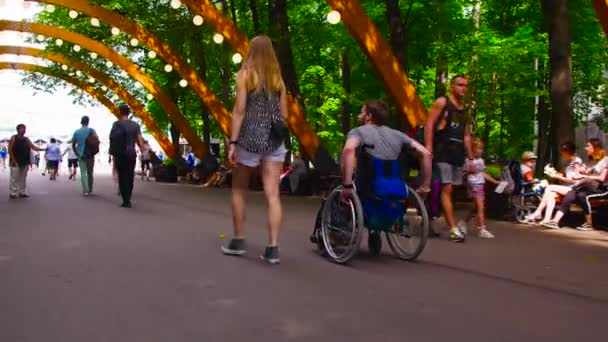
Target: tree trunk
x,y
441,69
543,118
279,29
346,83
255,16
397,29
487,127
474,75
175,134
201,62
560,59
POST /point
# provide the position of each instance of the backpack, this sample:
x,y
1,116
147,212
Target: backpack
x,y
91,146
509,174
118,140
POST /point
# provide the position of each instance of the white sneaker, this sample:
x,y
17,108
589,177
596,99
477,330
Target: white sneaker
x,y
462,225
456,235
485,234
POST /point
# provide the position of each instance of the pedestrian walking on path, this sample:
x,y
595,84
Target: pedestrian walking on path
x,y
447,136
124,135
86,144
53,157
3,155
145,161
20,148
72,160
258,136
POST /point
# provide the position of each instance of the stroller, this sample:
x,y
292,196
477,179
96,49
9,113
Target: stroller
x,y
524,197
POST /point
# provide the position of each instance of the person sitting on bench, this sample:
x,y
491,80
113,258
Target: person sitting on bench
x,y
591,181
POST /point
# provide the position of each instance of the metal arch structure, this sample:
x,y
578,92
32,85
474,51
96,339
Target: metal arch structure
x,y
366,34
215,106
601,8
306,136
153,88
380,53
138,109
99,96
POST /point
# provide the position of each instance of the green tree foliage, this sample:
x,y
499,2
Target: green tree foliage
x,y
503,48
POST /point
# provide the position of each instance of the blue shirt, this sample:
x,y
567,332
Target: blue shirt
x,y
80,139
53,152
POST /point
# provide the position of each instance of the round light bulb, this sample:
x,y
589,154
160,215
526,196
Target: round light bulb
x,y
198,20
59,42
73,14
149,96
237,58
168,68
333,17
64,67
115,31
123,73
78,73
76,48
114,98
152,54
72,74
91,80
39,37
104,88
137,85
183,83
50,8
134,42
175,4
95,22
109,64
218,38
93,55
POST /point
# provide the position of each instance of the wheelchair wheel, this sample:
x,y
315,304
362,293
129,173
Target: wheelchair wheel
x,y
408,238
521,213
341,226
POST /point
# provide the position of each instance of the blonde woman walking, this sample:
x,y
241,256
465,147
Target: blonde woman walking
x,y
258,134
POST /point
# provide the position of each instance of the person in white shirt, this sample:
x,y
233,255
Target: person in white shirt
x,y
568,152
72,160
476,180
145,160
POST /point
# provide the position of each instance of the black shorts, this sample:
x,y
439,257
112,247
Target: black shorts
x,y
72,162
52,164
145,165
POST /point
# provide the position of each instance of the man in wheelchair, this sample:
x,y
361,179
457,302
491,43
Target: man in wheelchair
x,y
379,180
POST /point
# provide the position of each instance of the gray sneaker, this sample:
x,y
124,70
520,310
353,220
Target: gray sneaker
x,y
551,225
271,255
585,227
235,247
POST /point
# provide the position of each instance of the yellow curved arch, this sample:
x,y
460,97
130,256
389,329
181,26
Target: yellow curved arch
x,y
138,109
215,106
364,31
99,96
297,121
153,88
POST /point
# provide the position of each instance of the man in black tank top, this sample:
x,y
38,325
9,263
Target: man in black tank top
x,y
447,135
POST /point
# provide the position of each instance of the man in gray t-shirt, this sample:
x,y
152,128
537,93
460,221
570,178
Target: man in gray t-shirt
x,y
387,144
123,137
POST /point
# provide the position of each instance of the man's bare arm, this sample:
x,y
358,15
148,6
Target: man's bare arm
x,y
348,159
431,122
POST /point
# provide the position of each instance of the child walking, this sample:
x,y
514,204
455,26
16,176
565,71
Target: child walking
x,y
476,179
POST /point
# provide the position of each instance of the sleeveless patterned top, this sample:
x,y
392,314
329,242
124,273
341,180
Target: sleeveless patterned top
x,y
262,110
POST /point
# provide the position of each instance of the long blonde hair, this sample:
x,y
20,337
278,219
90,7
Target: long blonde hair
x,y
261,70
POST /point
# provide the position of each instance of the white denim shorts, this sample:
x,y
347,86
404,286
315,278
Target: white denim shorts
x,y
251,159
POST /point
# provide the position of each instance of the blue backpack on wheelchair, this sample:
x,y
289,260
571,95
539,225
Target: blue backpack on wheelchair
x,y
382,190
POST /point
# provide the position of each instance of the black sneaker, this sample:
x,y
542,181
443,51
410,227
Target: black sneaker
x,y
235,247
126,205
271,255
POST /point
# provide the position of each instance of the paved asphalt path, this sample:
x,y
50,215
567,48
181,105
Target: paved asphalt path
x,y
76,269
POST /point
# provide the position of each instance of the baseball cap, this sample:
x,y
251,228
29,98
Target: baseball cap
x,y
528,155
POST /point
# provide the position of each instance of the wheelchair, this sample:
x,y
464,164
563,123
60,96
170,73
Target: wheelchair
x,y
381,203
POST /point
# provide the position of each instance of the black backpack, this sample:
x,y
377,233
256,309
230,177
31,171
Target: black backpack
x,y
118,140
